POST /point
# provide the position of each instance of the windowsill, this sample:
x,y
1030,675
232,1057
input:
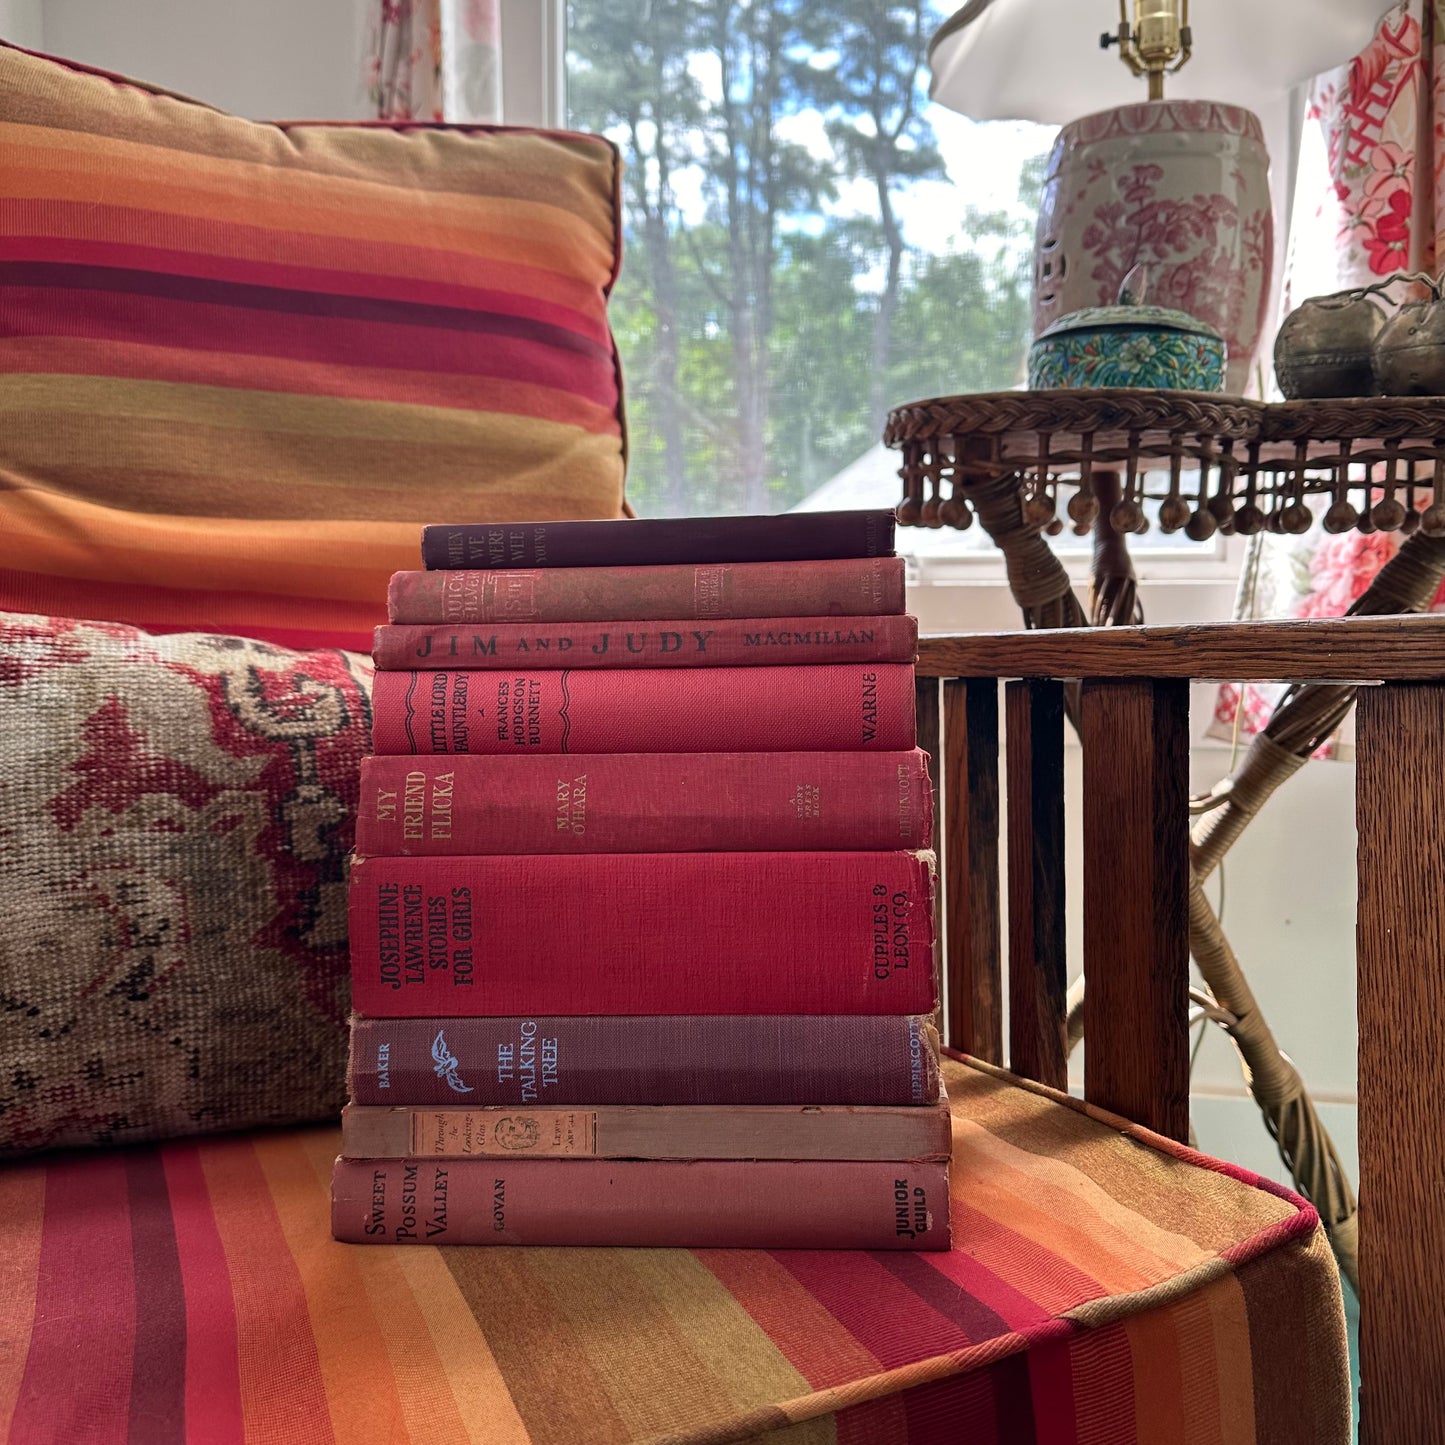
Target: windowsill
x,y
985,604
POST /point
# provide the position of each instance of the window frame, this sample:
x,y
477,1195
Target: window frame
x,y
534,63
1187,583
1218,559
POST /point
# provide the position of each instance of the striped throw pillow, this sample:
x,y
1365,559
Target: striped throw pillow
x,y
241,363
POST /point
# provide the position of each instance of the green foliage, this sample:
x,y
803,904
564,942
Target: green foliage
x,y
764,331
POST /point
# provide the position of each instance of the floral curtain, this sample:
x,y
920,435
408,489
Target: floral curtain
x,y
1379,125
436,60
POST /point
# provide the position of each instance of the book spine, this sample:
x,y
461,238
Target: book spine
x,y
645,803
646,1131
828,708
862,587
640,933
764,642
686,1059
698,1204
792,537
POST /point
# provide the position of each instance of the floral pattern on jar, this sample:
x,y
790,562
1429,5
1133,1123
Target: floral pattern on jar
x,y
1123,356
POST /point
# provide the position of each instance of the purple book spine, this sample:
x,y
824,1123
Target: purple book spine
x,y
792,537
795,1059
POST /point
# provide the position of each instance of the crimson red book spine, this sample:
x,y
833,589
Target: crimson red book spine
x,y
861,587
831,707
693,1204
792,537
645,803
643,933
682,1059
755,642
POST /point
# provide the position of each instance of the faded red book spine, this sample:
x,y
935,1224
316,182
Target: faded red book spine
x,y
646,1131
756,642
829,708
645,803
683,1058
643,933
697,1204
856,587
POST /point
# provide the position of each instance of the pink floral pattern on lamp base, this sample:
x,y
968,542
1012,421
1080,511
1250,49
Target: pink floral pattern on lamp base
x,y
1180,185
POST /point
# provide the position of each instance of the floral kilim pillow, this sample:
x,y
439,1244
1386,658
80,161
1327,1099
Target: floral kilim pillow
x,y
175,816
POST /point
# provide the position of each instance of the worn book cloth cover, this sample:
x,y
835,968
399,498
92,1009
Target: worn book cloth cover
x,y
1105,1285
813,1059
642,933
898,1204
644,803
761,641
789,537
632,1132
831,707
851,587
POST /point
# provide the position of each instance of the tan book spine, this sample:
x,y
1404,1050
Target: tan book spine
x,y
649,1131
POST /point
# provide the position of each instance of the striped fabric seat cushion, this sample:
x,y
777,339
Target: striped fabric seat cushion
x,y
240,363
1105,1286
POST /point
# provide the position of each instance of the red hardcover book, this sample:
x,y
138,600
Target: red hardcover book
x,y
645,803
761,642
791,537
683,1058
862,587
643,933
697,1204
828,708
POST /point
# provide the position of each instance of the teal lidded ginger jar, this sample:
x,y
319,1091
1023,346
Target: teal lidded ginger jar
x,y
1128,344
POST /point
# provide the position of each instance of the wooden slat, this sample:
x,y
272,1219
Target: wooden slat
x,y
929,725
1034,754
970,826
1400,943
1136,900
1353,649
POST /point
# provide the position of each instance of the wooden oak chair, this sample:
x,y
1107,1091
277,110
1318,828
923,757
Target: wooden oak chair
x,y
1128,691
1105,1283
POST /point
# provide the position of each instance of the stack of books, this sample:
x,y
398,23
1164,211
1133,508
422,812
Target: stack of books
x,y
641,908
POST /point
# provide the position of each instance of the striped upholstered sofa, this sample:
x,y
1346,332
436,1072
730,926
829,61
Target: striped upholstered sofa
x,y
1106,1283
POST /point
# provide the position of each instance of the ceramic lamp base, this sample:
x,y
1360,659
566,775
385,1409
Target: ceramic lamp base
x,y
1180,185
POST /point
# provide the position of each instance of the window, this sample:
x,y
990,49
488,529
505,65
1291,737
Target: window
x,y
809,242
800,256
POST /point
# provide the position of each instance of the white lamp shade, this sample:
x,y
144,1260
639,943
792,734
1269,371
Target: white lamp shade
x,y
1041,60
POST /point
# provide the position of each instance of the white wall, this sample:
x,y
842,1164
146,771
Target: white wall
x,y
21,23
269,59
1290,914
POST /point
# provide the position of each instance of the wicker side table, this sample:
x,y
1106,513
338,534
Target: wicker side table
x,y
1210,462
